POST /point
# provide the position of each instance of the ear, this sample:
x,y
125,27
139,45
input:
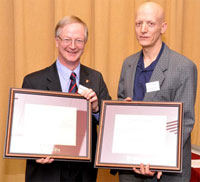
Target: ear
x,y
56,40
163,27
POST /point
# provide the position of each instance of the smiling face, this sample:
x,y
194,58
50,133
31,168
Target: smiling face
x,y
150,25
71,43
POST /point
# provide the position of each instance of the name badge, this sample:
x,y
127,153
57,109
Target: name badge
x,y
152,86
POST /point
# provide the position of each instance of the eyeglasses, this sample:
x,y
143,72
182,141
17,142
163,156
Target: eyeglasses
x,y
68,41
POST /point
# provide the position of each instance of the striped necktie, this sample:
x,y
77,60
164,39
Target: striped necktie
x,y
73,87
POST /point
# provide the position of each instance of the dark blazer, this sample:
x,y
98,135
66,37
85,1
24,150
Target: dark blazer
x,y
48,79
177,77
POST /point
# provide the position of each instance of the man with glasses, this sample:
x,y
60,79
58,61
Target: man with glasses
x,y
65,75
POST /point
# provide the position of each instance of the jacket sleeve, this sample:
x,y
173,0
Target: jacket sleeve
x,y
186,93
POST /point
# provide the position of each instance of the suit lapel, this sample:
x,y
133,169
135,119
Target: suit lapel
x,y
53,82
158,73
84,77
131,77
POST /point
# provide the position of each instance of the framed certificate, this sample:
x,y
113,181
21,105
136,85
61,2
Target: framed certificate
x,y
132,133
45,123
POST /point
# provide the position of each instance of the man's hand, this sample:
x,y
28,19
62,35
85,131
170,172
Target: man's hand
x,y
128,99
92,97
144,170
46,160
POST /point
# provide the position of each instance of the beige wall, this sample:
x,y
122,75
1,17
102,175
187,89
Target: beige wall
x,y
27,45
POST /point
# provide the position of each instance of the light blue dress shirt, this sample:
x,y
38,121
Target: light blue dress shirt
x,y
64,75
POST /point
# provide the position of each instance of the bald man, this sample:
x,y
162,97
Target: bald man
x,y
175,77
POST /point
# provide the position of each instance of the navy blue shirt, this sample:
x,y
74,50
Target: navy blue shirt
x,y
143,76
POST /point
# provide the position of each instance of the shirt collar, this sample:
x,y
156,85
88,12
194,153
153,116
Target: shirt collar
x,y
153,64
66,72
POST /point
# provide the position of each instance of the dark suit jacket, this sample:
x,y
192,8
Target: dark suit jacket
x,y
177,78
48,79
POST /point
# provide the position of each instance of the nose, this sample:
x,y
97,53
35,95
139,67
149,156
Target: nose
x,y
72,44
144,28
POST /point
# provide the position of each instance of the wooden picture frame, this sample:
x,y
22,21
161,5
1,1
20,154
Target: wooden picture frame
x,y
47,123
131,133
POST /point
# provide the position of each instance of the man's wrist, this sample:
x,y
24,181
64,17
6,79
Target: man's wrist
x,y
96,110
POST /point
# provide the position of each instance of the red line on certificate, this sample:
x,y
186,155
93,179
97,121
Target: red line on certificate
x,y
172,127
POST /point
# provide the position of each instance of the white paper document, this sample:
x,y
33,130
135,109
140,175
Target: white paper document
x,y
136,129
144,137
43,127
81,88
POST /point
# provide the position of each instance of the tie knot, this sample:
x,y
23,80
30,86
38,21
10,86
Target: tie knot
x,y
73,76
